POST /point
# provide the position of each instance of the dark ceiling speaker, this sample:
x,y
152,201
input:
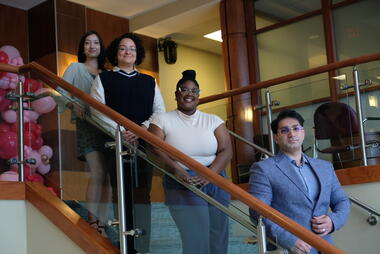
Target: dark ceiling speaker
x,y
170,50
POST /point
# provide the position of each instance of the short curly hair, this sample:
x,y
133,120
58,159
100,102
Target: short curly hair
x,y
82,56
114,47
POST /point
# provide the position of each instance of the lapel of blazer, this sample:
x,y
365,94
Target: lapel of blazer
x,y
319,174
284,165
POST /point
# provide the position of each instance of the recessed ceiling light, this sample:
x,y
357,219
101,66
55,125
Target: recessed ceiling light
x,y
340,77
217,36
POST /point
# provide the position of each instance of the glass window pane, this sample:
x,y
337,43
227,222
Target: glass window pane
x,y
357,29
293,48
270,12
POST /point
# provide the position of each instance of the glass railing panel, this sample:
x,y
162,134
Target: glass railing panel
x,y
367,71
84,179
184,209
300,91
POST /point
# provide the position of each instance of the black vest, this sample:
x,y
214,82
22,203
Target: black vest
x,y
130,96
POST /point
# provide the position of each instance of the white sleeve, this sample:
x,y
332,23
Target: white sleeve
x,y
97,92
158,105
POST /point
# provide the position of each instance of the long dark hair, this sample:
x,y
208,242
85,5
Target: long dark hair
x,y
102,55
114,47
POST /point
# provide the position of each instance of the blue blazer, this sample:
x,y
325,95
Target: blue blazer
x,y
275,182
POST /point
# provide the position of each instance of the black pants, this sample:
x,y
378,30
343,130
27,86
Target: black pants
x,y
137,187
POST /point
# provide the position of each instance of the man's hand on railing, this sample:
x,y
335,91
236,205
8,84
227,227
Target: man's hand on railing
x,y
322,225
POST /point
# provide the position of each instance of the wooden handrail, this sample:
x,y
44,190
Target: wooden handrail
x,y
291,77
213,177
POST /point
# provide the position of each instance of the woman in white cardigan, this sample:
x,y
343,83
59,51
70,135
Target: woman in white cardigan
x,y
90,140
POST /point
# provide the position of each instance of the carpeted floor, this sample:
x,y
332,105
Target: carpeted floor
x,y
165,237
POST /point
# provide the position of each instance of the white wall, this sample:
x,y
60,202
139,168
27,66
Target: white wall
x,y
44,237
24,230
13,227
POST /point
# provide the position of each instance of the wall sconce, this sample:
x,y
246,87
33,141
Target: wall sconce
x,y
170,49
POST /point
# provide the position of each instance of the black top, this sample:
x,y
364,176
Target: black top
x,y
130,94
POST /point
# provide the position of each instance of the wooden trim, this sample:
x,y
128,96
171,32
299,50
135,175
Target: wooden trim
x,y
348,176
330,45
289,21
298,105
12,191
359,175
352,93
291,77
304,16
345,3
9,68
213,177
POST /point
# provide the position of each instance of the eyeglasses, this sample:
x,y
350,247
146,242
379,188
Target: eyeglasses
x,y
186,91
286,129
132,49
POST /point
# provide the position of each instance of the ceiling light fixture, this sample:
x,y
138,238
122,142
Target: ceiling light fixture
x,y
217,36
340,77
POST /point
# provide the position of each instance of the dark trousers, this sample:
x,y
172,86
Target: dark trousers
x,y
137,186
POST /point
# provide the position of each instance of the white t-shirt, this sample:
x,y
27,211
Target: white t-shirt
x,y
192,135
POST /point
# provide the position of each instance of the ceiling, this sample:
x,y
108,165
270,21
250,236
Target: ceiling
x,y
185,21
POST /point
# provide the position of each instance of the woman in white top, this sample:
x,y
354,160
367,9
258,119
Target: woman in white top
x,y
203,137
90,140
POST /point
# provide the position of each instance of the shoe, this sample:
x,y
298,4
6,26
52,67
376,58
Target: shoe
x,y
100,227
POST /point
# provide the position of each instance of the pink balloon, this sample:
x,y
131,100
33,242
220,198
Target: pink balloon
x,y
10,116
8,145
4,102
4,58
46,150
13,167
44,169
9,176
43,105
32,115
11,51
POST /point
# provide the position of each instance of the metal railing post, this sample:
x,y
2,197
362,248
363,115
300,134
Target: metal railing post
x,y
120,189
20,123
261,236
268,103
360,115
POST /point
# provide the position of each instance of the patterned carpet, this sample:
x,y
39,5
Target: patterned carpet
x,y
165,237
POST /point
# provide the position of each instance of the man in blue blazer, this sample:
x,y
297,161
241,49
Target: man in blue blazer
x,y
302,188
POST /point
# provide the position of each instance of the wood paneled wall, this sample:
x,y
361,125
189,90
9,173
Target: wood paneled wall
x,y
42,35
71,25
151,54
108,26
14,29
